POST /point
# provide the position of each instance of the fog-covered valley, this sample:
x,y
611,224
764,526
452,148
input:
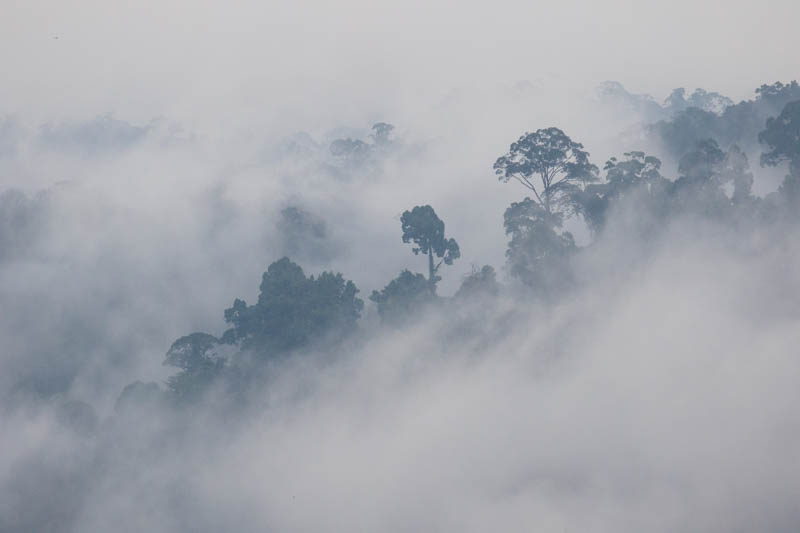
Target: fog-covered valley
x,y
398,269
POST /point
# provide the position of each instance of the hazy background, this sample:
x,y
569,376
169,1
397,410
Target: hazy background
x,y
146,151
211,65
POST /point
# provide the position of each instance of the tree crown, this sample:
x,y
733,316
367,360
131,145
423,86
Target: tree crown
x,y
424,228
560,163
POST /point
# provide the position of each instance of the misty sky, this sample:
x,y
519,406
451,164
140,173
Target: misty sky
x,y
210,64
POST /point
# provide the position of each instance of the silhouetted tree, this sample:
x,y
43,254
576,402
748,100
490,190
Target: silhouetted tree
x,y
293,310
405,294
782,137
352,152
687,128
380,133
778,94
736,170
304,235
737,124
711,102
550,157
200,364
537,255
481,282
422,227
701,164
637,175
699,188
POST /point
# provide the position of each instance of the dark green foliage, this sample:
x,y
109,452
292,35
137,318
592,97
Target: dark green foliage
x,y
407,293
537,255
426,230
293,310
481,282
550,156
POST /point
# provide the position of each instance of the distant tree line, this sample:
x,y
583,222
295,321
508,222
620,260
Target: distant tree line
x,y
295,312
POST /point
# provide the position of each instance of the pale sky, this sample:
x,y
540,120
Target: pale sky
x,y
189,59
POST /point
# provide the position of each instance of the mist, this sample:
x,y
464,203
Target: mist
x,y
290,268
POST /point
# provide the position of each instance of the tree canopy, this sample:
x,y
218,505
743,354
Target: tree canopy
x,y
295,312
537,254
559,164
405,294
293,309
638,174
736,124
292,312
380,133
782,137
425,229
480,282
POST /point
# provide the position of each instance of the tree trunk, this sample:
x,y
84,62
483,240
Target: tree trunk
x,y
430,265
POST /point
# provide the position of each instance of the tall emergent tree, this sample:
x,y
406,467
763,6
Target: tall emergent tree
x,y
426,230
550,157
